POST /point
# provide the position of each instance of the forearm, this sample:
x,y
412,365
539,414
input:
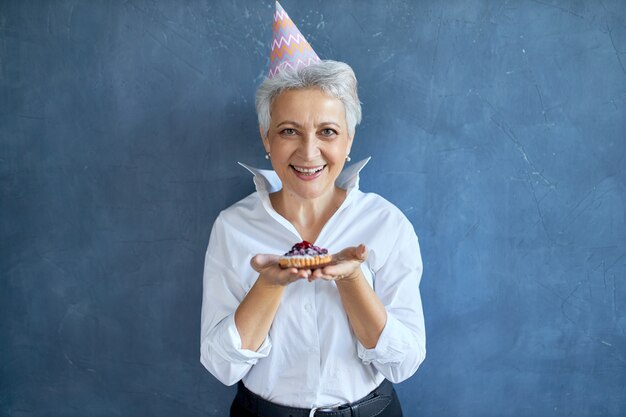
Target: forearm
x,y
255,314
365,311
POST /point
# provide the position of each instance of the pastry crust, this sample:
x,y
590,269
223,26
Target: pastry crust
x,y
304,261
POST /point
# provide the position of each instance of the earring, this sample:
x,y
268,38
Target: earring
x,y
348,159
267,155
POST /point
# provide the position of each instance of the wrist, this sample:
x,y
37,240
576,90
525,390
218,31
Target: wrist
x,y
355,276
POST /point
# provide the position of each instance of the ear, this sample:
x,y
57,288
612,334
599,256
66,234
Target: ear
x,y
266,142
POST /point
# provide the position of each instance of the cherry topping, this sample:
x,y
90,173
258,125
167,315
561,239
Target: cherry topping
x,y
303,245
305,248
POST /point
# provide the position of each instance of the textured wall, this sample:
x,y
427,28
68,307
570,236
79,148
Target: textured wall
x,y
498,127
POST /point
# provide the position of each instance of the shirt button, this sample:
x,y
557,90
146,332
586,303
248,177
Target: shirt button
x,y
308,307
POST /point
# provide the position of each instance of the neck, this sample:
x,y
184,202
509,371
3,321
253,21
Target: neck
x,y
308,215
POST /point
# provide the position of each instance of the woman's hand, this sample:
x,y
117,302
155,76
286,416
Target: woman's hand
x,y
271,274
345,266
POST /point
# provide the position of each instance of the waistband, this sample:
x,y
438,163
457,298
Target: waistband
x,y
370,405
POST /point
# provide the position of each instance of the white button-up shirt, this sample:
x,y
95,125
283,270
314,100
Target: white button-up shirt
x,y
311,357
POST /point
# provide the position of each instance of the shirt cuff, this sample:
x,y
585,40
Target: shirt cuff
x,y
228,344
389,349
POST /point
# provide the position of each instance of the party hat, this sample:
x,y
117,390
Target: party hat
x,y
289,48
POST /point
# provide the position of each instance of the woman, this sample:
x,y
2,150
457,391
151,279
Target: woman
x,y
328,341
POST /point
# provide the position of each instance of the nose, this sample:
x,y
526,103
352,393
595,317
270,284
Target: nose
x,y
309,149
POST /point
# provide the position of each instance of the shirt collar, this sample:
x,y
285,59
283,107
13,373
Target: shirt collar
x,y
267,181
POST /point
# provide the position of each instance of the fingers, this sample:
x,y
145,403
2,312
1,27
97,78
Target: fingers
x,y
274,275
336,270
316,274
291,274
262,261
353,253
361,253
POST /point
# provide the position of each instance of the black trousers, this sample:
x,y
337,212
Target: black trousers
x,y
393,409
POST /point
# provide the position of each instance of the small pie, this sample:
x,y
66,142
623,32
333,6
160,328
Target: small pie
x,y
305,255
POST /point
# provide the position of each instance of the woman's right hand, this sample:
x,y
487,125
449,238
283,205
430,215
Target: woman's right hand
x,y
271,274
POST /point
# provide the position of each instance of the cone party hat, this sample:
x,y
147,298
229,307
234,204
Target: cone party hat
x,y
289,48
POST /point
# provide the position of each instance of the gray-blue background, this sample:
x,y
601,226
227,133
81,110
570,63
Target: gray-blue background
x,y
498,127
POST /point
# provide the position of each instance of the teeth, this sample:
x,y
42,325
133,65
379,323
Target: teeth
x,y
307,170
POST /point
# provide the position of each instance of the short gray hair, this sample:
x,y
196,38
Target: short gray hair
x,y
332,77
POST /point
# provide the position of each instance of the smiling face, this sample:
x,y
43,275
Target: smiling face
x,y
308,141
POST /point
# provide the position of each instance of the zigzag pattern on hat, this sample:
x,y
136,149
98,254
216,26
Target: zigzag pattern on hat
x,y
293,66
280,15
290,50
282,24
298,38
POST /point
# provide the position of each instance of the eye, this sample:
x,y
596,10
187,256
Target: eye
x,y
328,132
288,132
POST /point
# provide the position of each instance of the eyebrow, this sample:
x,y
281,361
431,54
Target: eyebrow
x,y
288,122
296,124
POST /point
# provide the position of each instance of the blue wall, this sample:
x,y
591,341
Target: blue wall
x,y
499,128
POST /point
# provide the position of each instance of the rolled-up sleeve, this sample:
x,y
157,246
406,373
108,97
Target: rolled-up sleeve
x,y
401,347
220,346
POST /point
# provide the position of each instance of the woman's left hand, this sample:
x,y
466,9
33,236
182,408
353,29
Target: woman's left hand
x,y
346,265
